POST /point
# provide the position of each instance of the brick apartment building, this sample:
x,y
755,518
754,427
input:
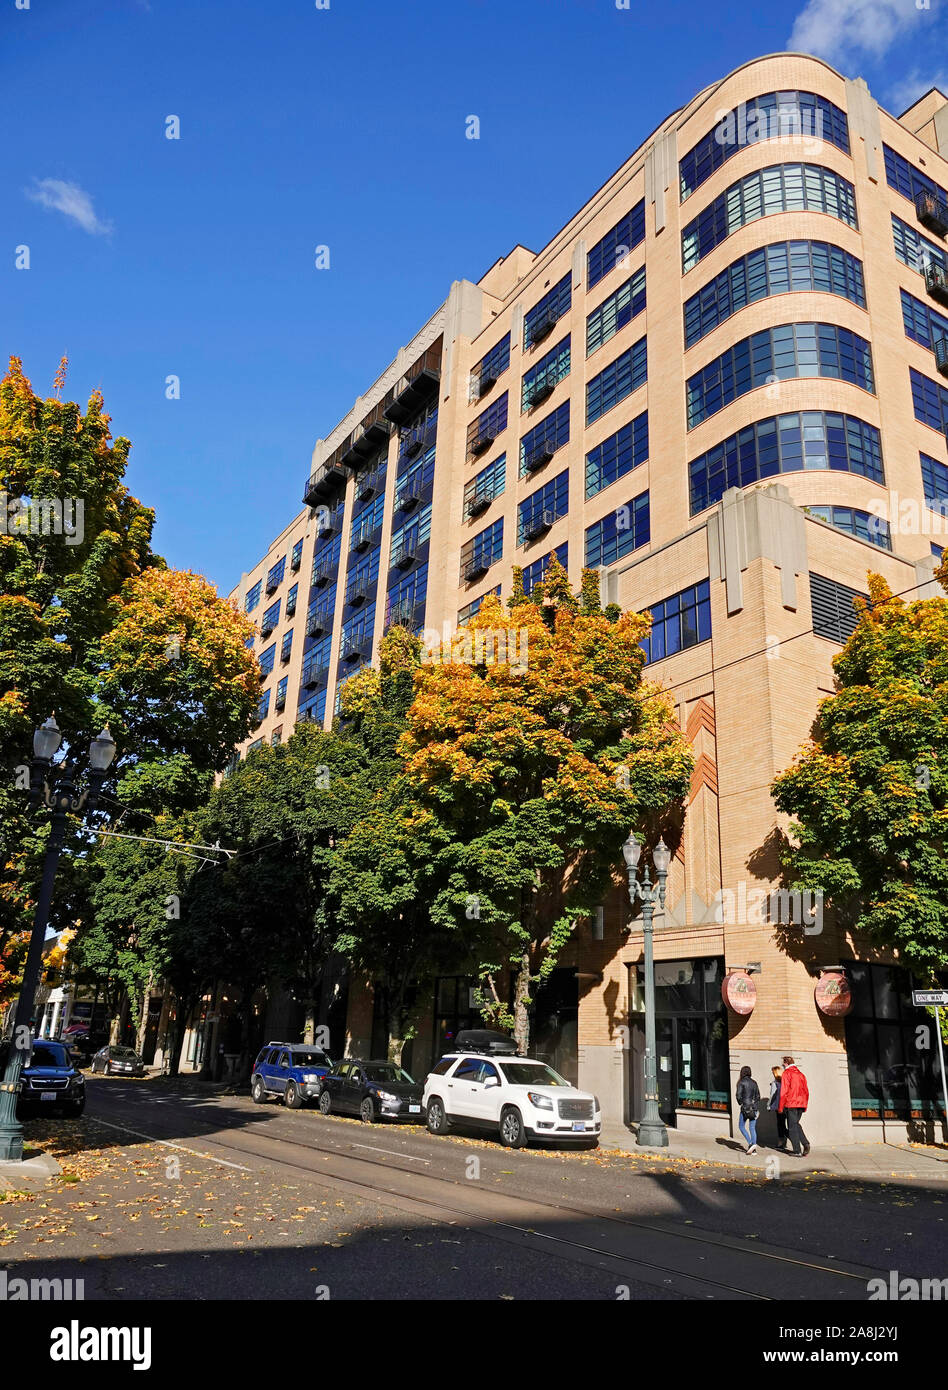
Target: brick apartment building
x,y
723,384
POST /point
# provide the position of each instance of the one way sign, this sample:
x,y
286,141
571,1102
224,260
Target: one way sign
x,y
923,997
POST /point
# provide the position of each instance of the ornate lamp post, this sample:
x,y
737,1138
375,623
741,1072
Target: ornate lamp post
x,y
56,786
652,1131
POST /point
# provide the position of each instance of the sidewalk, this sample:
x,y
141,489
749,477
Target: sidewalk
x,y
846,1160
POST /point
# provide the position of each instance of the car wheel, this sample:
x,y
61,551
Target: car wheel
x,y
325,1102
258,1091
512,1133
367,1111
435,1116
291,1096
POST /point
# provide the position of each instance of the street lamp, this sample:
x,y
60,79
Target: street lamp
x,y
56,787
652,1131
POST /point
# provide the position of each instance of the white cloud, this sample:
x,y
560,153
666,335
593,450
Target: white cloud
x,y
905,92
843,30
72,201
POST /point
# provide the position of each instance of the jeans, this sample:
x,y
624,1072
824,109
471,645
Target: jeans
x,y
781,1129
746,1122
797,1137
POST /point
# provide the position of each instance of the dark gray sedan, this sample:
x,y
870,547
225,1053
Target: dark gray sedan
x,y
373,1091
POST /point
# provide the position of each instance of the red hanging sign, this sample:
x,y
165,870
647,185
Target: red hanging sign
x,y
832,994
739,992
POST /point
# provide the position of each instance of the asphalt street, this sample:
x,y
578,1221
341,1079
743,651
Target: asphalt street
x,y
194,1195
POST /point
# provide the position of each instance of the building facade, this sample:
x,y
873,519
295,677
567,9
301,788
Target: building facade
x,y
724,384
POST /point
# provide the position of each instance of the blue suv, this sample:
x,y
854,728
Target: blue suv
x,y
51,1084
292,1071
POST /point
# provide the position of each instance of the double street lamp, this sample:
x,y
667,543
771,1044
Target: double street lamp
x,y
56,786
652,1131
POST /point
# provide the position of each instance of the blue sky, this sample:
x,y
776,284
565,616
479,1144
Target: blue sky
x,y
344,127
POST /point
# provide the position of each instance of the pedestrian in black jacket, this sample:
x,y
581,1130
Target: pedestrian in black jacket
x,y
748,1098
774,1105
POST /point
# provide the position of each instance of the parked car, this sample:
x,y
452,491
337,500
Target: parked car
x,y
292,1071
51,1084
372,1090
113,1060
518,1098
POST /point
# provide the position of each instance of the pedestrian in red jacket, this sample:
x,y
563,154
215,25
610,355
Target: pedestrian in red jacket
x,y
794,1099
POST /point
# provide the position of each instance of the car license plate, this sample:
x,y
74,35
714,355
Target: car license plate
x,y
580,1125
48,1095
414,1109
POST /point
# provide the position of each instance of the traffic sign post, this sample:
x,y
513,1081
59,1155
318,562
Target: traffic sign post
x,y
935,998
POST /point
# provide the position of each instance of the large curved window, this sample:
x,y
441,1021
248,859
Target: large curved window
x,y
779,188
772,116
784,267
922,323
778,354
786,444
863,525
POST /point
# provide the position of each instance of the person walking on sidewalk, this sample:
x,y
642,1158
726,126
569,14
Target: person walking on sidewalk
x,y
794,1099
748,1098
774,1104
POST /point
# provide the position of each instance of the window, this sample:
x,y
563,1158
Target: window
x,y
252,747
263,709
777,354
253,597
679,622
544,315
489,424
482,551
766,117
786,444
618,533
692,1029
543,507
534,572
291,598
491,366
615,312
361,577
935,483
481,490
297,557
784,267
890,1076
863,525
930,401
267,659
540,444
355,639
313,709
406,599
913,249
617,455
616,245
276,737
281,692
270,618
366,524
413,478
906,179
623,376
922,323
834,616
286,646
326,558
466,613
779,188
316,664
412,534
275,574
544,375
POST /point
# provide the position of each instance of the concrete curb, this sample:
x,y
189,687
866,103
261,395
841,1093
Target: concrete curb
x,y
32,1175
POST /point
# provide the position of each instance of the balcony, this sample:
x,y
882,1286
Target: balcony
x,y
941,355
541,328
321,577
936,282
357,593
265,629
280,704
540,392
369,485
272,586
285,656
362,538
478,503
412,394
475,568
401,615
413,442
366,441
319,623
355,648
482,384
538,457
313,676
932,213
327,479
481,443
404,555
290,608
329,523
296,560
538,524
409,497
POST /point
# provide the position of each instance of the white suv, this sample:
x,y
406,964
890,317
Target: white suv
x,y
517,1097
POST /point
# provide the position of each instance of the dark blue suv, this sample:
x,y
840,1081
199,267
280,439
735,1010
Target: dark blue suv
x,y
51,1084
292,1071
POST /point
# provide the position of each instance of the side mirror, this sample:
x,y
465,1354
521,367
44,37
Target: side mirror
x,y
492,1081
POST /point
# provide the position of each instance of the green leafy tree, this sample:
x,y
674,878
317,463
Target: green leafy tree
x,y
868,793
535,745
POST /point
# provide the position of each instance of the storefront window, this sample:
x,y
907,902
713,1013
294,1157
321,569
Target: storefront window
x,y
891,1047
691,1035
